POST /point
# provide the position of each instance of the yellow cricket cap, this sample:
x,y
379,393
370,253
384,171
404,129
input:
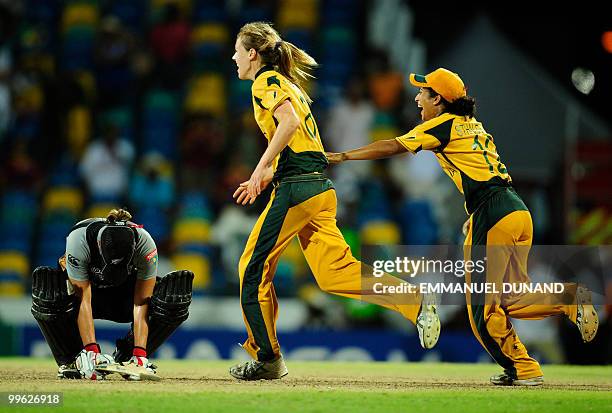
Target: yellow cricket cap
x,y
444,82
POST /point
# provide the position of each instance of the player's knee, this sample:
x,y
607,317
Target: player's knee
x,y
172,297
51,297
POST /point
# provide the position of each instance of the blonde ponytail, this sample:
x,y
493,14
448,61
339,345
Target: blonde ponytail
x,y
289,60
115,215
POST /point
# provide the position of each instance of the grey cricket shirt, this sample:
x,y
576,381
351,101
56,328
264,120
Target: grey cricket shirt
x,y
78,256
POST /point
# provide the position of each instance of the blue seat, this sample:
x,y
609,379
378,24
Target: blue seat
x,y
16,229
163,141
15,243
374,206
240,95
42,11
108,199
339,12
27,127
418,224
209,11
49,253
301,38
155,221
19,197
195,205
196,248
10,276
130,13
253,14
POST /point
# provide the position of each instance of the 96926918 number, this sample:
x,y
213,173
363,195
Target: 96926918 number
x,y
31,399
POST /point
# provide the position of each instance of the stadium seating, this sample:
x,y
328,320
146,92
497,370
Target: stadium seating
x,y
380,232
190,231
63,198
206,95
14,272
199,265
152,118
160,123
79,129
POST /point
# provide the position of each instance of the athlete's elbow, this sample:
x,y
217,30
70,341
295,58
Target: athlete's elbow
x,y
393,147
292,123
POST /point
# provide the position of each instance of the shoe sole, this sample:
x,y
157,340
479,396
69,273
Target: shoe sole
x,y
264,376
589,320
429,331
529,383
257,378
525,382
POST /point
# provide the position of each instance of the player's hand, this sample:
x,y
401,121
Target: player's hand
x,y
260,179
88,361
139,361
466,227
335,157
241,195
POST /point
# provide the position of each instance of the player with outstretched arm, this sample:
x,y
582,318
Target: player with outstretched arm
x,y
498,219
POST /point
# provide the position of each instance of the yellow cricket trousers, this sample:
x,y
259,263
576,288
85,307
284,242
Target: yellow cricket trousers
x,y
306,207
502,229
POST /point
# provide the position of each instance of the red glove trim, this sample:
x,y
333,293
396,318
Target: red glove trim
x,y
93,347
139,352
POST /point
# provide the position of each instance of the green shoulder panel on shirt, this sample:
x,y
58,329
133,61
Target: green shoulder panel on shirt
x,y
273,80
258,101
441,132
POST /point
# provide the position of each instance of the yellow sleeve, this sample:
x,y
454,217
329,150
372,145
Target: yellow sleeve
x,y
273,97
269,93
417,140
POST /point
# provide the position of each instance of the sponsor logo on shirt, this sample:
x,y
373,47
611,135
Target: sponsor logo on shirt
x,y
73,261
152,256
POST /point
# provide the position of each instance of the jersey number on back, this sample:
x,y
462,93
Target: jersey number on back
x,y
478,146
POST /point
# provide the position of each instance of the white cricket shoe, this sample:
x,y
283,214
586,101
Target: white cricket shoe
x,y
428,322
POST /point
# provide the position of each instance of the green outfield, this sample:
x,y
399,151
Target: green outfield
x,y
205,386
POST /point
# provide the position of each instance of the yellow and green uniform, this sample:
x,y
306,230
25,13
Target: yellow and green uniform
x,y
304,153
498,218
303,203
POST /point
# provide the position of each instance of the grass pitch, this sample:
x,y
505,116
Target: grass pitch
x,y
205,386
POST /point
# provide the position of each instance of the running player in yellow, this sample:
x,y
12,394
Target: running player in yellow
x,y
497,217
303,203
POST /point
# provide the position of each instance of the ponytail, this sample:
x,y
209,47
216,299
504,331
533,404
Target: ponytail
x,y
289,60
115,215
296,65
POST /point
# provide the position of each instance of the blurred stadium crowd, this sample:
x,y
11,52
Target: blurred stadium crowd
x,y
136,103
113,103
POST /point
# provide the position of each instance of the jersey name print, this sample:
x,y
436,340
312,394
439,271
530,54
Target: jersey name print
x,y
466,153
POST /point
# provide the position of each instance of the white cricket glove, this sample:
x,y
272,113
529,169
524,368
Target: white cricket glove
x,y
88,361
140,361
143,362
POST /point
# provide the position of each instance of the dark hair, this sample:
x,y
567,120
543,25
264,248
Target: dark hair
x,y
463,106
